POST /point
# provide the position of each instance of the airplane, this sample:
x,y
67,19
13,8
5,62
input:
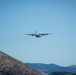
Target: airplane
x,y
39,35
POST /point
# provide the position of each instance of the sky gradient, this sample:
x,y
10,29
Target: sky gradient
x,y
18,17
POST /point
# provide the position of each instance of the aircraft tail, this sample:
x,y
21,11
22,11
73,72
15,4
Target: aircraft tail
x,y
35,32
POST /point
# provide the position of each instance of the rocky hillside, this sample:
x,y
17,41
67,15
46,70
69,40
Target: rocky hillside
x,y
12,66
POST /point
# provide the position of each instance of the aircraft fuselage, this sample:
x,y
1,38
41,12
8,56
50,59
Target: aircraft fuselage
x,y
37,35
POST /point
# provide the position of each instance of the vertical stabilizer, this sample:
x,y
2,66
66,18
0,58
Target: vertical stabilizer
x,y
35,32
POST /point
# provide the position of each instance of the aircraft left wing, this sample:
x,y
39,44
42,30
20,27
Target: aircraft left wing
x,y
46,34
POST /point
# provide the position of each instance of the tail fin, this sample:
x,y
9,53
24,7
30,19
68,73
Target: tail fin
x,y
35,32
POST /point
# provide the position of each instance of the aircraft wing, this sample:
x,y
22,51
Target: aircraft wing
x,y
46,34
30,34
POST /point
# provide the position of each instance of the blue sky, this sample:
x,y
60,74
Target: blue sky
x,y
18,17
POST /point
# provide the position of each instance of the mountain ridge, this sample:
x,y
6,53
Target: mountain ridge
x,y
62,73
49,68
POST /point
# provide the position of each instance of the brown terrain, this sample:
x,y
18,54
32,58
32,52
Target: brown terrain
x,y
12,66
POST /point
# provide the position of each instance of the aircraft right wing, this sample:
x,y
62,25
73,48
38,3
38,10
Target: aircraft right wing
x,y
46,34
30,34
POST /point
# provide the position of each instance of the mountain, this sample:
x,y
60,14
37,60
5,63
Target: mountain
x,y
49,68
12,66
62,73
72,66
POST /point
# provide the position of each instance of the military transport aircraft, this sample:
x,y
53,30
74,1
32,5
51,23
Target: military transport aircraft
x,y
39,35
